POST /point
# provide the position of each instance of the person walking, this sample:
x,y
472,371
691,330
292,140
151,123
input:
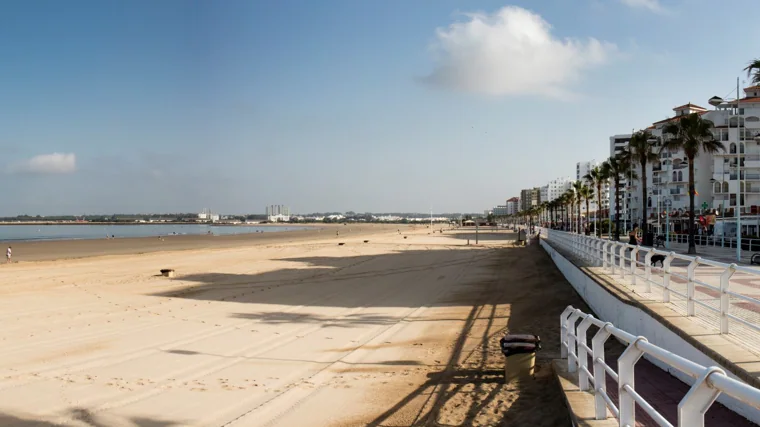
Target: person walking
x,y
8,255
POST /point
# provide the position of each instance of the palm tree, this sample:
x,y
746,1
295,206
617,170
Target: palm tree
x,y
569,198
587,193
753,70
597,176
617,168
577,188
692,134
643,149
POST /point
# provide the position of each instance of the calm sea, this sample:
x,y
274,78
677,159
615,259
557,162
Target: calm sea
x,y
69,232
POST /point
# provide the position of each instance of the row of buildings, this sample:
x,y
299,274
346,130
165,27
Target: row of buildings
x,y
531,197
727,183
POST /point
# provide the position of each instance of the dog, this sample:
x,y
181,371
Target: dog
x,y
658,258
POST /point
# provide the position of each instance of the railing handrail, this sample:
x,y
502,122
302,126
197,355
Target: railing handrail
x,y
709,381
611,255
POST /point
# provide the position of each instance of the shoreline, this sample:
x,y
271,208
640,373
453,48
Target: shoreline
x,y
57,250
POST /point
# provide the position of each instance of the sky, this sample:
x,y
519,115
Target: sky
x,y
337,105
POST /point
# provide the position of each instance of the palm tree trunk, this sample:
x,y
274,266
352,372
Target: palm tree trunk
x,y
692,246
617,209
578,230
587,214
644,198
598,208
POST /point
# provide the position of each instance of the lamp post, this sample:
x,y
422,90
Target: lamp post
x,y
738,175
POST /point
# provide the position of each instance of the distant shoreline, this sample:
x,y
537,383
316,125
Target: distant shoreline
x,y
47,250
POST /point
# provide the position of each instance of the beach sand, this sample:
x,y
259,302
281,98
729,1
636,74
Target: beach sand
x,y
285,332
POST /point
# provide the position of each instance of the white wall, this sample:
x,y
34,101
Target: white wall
x,y
637,322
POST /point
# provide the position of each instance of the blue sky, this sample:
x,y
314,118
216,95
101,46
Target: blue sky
x,y
395,105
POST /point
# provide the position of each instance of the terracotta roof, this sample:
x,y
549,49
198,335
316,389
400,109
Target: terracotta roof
x,y
756,87
514,199
689,105
650,127
753,99
677,117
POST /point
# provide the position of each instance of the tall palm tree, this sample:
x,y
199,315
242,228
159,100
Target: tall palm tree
x,y
577,189
692,134
597,176
643,149
753,70
587,193
569,198
617,168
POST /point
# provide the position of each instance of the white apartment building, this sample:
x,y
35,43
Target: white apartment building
x,y
278,213
544,196
716,176
737,170
513,205
581,170
618,143
557,187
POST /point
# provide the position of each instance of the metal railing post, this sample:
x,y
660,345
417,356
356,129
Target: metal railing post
x,y
626,363
582,353
690,306
634,264
725,301
666,277
600,375
572,350
600,252
693,406
648,270
621,255
563,321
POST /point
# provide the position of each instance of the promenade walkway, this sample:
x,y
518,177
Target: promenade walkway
x,y
739,348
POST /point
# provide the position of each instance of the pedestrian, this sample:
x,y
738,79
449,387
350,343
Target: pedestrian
x,y
8,254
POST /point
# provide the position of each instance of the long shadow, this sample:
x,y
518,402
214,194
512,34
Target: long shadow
x,y
86,417
322,281
472,382
488,235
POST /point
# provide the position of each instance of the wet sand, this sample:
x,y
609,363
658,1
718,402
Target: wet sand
x,y
400,331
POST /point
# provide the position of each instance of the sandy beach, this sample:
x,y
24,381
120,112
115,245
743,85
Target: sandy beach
x,y
287,330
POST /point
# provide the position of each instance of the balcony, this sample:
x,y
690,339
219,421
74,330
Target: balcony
x,y
676,191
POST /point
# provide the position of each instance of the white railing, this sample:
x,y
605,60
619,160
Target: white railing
x,y
709,381
709,291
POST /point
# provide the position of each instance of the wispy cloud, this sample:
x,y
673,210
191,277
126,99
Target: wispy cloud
x,y
55,163
651,5
512,52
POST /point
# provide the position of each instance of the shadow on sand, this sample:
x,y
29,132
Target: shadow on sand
x,y
85,417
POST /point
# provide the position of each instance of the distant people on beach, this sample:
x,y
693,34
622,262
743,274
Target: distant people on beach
x,y
8,254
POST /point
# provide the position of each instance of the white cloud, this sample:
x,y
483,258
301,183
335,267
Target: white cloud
x,y
55,163
652,5
512,52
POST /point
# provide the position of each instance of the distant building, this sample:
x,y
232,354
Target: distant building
x,y
513,205
278,213
500,210
207,216
529,198
581,170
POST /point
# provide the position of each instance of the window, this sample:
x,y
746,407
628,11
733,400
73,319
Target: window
x,y
675,176
716,187
732,148
741,110
741,148
680,176
725,187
